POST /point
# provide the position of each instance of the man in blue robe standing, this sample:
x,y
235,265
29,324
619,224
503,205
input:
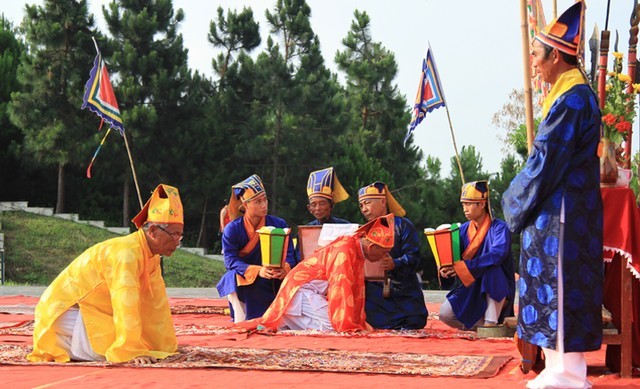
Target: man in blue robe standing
x,y
486,271
555,203
404,308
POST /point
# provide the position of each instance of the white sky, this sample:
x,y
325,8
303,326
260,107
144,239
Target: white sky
x,y
477,45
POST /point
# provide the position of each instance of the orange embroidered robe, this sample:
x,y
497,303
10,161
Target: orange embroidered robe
x,y
342,264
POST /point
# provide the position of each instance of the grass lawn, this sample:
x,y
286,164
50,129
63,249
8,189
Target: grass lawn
x,y
38,247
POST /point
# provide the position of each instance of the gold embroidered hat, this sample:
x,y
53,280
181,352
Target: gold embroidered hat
x,y
246,190
380,231
325,183
565,32
476,191
379,190
164,207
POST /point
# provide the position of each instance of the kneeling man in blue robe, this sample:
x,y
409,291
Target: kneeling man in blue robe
x,y
486,290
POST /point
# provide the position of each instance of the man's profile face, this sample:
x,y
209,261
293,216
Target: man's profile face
x,y
319,207
257,206
543,65
167,239
373,208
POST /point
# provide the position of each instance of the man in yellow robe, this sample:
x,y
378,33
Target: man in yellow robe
x,y
110,303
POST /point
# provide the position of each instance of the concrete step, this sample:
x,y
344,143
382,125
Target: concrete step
x,y
216,257
119,230
39,211
67,216
195,250
95,223
13,205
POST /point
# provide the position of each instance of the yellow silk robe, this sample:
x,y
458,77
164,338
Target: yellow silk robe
x,y
119,289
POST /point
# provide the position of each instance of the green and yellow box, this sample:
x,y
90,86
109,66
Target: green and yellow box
x,y
274,242
445,243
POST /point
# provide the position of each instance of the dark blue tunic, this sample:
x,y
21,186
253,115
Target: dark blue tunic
x,y
492,269
331,220
259,295
405,307
562,167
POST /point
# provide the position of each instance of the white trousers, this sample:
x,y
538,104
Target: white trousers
x,y
308,309
239,308
72,336
562,370
491,314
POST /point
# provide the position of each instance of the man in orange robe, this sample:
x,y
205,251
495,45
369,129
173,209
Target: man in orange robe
x,y
341,265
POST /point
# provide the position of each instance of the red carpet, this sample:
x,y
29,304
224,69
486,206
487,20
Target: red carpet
x,y
198,326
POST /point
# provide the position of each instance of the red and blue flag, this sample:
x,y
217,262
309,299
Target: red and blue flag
x,y
99,96
100,99
430,95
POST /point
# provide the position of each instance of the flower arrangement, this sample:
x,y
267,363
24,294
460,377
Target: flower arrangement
x,y
619,108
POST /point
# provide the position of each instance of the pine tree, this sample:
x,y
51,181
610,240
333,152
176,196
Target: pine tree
x,y
52,75
151,64
378,113
10,136
291,109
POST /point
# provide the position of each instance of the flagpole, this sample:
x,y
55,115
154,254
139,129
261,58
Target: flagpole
x,y
446,107
455,147
133,169
632,55
528,94
126,144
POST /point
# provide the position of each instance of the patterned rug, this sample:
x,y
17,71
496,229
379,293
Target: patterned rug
x,y
199,309
175,310
17,309
21,328
25,328
337,361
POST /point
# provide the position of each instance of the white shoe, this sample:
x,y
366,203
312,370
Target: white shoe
x,y
553,381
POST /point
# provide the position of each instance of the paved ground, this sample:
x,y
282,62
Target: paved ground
x,y
430,296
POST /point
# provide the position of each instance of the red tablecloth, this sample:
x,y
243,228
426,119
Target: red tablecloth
x,y
621,227
621,245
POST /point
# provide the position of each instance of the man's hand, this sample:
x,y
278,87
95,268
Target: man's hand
x,y
144,360
387,263
447,271
272,272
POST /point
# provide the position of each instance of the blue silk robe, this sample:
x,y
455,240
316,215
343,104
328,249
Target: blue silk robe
x,y
405,307
563,168
258,295
492,270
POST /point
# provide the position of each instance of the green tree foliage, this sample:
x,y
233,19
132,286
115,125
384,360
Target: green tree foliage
x,y
378,116
237,32
289,105
236,35
58,35
151,64
280,113
11,48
